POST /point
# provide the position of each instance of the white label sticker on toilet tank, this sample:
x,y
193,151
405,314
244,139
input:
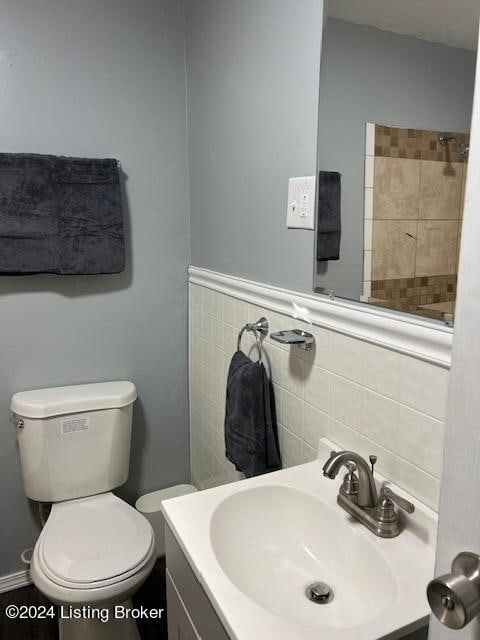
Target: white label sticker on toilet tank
x,y
75,424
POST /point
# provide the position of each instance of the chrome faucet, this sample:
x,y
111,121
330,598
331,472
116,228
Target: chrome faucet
x,y
367,491
358,495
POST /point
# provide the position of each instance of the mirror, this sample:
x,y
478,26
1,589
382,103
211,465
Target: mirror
x,y
396,95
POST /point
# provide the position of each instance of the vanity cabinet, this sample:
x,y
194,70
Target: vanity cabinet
x,y
190,613
180,625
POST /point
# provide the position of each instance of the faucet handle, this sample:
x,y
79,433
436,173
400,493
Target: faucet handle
x,y
398,500
373,459
350,481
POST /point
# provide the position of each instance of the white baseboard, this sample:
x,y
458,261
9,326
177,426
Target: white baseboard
x,y
15,581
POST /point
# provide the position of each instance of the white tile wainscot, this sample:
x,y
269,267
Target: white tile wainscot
x,y
362,396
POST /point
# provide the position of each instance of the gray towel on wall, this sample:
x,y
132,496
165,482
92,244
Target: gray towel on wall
x,y
329,227
60,215
251,438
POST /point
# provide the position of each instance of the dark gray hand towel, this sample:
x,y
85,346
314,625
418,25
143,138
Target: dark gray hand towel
x,y
60,215
329,227
251,438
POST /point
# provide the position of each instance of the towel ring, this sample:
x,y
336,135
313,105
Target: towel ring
x,y
257,328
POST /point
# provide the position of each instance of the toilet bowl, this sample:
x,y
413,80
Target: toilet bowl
x,y
94,550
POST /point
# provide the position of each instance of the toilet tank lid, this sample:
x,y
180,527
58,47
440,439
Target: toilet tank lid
x,y
57,401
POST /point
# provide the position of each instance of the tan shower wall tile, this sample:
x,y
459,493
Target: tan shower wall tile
x,y
462,195
459,242
394,245
417,209
431,149
397,142
436,247
441,185
396,187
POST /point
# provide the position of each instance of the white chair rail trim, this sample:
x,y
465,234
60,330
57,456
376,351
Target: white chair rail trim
x,y
416,337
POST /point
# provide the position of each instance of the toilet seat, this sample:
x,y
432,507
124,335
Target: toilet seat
x,y
93,542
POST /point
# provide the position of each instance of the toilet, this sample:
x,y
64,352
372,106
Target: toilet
x,y
94,550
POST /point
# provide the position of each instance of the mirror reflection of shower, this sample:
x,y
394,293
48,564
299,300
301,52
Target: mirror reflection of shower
x,y
463,147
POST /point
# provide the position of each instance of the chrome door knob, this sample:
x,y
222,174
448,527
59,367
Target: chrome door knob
x,y
455,597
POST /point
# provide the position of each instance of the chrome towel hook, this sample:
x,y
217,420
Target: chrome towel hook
x,y
259,328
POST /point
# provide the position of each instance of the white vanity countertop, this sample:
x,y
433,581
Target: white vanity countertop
x,y
382,581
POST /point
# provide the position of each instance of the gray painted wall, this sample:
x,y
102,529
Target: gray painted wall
x,y
368,75
253,71
101,78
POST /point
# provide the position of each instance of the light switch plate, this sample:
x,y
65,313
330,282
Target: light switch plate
x,y
301,203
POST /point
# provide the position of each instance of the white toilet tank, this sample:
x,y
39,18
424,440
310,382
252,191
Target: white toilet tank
x,y
74,441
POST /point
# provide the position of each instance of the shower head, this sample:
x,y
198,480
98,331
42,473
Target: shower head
x,y
463,148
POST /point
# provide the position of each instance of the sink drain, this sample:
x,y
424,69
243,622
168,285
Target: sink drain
x,y
319,592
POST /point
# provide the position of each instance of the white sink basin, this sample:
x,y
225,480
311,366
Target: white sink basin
x,y
256,545
274,541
